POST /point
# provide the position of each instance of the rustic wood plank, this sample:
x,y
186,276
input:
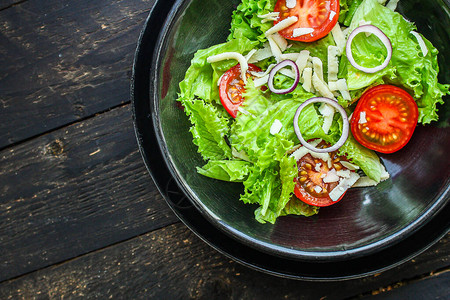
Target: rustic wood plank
x,y
5,4
172,263
73,191
435,286
64,60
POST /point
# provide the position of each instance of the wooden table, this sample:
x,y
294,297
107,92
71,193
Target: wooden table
x,y
79,214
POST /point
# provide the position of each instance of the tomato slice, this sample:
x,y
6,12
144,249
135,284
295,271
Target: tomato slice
x,y
231,88
391,116
310,187
320,15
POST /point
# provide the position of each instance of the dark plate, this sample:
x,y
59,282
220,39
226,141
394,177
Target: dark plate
x,y
348,267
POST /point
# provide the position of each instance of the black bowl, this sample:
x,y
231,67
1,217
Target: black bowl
x,y
366,222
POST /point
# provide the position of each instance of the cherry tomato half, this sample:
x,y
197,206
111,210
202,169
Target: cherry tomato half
x,y
384,119
320,15
311,172
231,88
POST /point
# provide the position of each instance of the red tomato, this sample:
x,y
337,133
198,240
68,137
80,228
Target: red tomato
x,y
231,88
391,116
310,175
313,14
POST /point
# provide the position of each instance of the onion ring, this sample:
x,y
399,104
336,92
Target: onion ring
x,y
378,33
281,65
345,124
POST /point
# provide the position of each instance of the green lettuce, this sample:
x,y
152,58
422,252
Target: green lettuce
x,y
227,170
408,67
201,77
209,129
246,23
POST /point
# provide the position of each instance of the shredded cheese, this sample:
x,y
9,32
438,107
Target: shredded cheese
x,y
232,55
281,25
344,185
321,87
302,31
261,54
332,14
318,67
276,127
333,63
291,56
307,79
291,3
421,42
331,177
280,41
302,60
269,17
339,37
350,166
275,49
362,118
392,5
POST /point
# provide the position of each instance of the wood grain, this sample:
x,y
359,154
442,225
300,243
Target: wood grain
x,y
172,263
73,191
5,4
64,60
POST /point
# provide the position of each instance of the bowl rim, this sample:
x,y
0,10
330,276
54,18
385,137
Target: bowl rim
x,y
215,220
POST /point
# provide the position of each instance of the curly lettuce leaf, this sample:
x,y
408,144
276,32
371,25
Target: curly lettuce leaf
x,y
208,129
201,77
408,67
246,23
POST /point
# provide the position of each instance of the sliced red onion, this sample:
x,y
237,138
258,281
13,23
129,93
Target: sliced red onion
x,y
278,67
345,125
384,39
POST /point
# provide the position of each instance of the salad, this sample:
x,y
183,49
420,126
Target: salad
x,y
303,94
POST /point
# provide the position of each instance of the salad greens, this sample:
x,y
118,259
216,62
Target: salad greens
x,y
244,150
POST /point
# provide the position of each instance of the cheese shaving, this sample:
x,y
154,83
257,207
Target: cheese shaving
x,y
302,31
291,3
282,25
339,37
422,44
362,118
276,127
232,55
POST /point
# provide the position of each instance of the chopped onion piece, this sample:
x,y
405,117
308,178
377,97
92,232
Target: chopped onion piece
x,y
383,38
281,65
318,189
345,125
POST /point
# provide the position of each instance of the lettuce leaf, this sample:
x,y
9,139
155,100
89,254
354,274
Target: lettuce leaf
x,y
246,23
201,77
227,170
208,130
408,67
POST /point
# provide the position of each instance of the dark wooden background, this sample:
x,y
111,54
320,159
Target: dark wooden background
x,y
79,214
